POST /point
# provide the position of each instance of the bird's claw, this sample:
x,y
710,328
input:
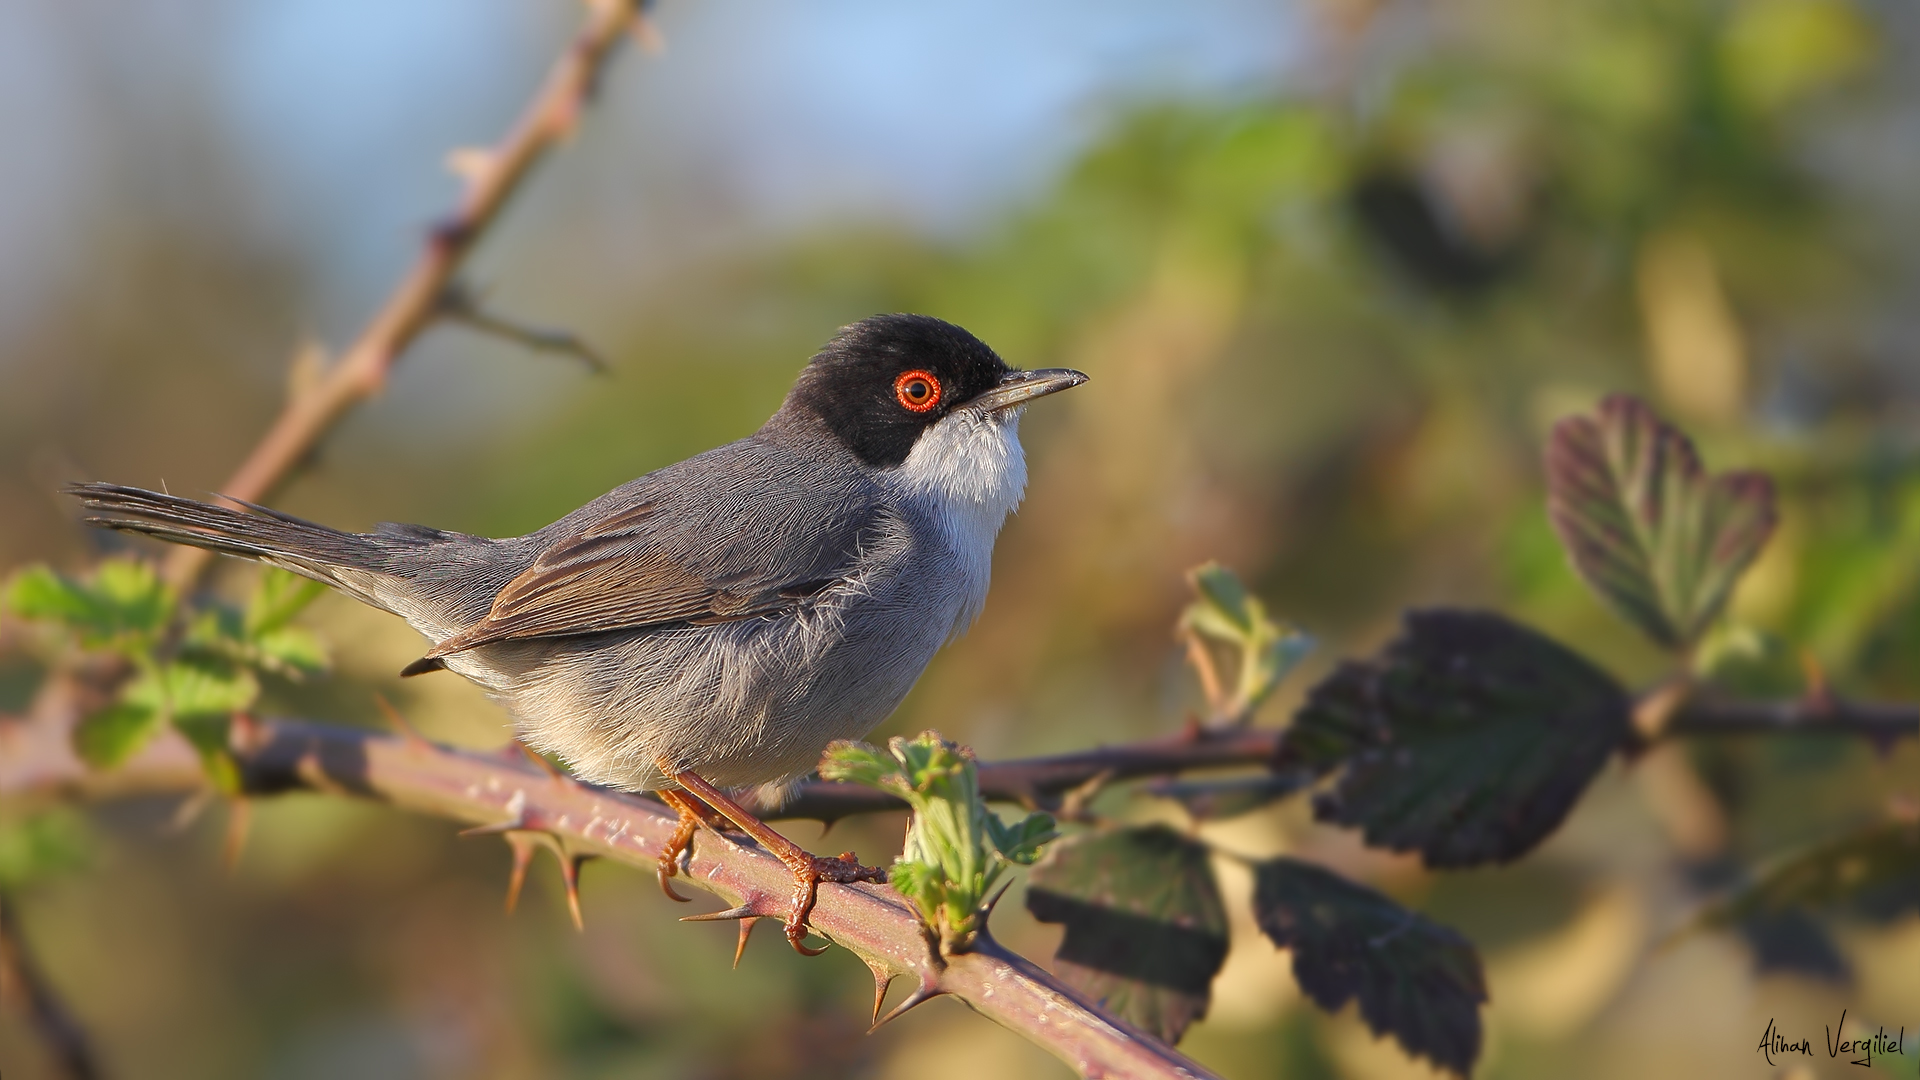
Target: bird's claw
x,y
807,876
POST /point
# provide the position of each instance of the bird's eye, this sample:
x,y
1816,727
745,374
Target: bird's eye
x,y
918,391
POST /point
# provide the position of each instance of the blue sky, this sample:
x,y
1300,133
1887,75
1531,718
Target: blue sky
x,y
332,116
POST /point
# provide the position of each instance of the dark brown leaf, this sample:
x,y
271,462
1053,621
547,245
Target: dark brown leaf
x,y
1146,932
1468,739
1415,979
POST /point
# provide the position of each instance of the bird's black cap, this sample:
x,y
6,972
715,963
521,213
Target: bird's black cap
x,y
882,381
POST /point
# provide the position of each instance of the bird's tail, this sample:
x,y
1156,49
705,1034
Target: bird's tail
x,y
267,535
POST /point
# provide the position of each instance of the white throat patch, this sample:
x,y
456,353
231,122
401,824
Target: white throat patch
x,y
968,470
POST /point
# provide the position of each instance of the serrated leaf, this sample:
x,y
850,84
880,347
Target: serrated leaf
x,y
1874,872
1649,530
290,650
850,762
1021,842
955,849
1468,738
188,688
133,593
37,593
1146,932
114,734
123,605
277,598
1415,979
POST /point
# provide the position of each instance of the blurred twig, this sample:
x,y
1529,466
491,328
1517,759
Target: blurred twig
x,y
21,978
492,176
459,304
1036,781
1827,715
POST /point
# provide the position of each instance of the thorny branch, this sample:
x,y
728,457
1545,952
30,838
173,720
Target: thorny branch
x,y
512,795
492,176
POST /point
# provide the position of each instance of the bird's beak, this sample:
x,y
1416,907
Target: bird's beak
x,y
1020,387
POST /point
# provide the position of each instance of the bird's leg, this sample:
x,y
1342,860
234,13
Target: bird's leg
x,y
691,815
809,870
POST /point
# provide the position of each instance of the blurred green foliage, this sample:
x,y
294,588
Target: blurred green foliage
x,y
1329,330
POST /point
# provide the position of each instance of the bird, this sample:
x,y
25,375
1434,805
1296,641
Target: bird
x,y
716,623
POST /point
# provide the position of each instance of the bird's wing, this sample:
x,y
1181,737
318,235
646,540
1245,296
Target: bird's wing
x,y
745,530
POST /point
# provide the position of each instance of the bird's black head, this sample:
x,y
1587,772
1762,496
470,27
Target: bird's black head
x,y
882,381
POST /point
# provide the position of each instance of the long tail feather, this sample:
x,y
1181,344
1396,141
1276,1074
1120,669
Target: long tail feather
x,y
270,536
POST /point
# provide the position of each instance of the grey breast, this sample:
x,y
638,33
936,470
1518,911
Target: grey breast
x,y
733,612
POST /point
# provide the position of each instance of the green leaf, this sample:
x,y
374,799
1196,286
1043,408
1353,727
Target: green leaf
x,y
290,650
1224,606
124,605
1021,842
37,593
209,735
850,762
279,596
956,848
1415,979
39,845
194,687
1656,537
1146,932
1874,872
1468,738
114,734
1262,651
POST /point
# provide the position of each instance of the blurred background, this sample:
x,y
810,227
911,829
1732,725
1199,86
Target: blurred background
x,y
1335,266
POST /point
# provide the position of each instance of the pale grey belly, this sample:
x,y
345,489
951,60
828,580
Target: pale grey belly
x,y
741,703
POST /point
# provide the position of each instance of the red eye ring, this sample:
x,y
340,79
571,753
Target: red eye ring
x,y
917,391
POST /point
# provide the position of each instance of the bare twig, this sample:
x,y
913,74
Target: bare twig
x,y
22,979
1035,781
460,305
493,176
506,793
1828,715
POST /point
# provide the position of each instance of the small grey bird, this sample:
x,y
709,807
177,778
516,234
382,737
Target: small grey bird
x,y
714,624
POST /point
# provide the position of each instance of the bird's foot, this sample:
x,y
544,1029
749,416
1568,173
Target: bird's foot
x,y
809,870
691,813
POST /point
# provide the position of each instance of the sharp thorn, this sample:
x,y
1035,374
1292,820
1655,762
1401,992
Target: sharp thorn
x,y
882,978
743,911
523,846
746,930
923,993
994,900
514,824
570,873
407,731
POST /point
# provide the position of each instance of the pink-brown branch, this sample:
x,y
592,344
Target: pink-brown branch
x,y
507,792
493,176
